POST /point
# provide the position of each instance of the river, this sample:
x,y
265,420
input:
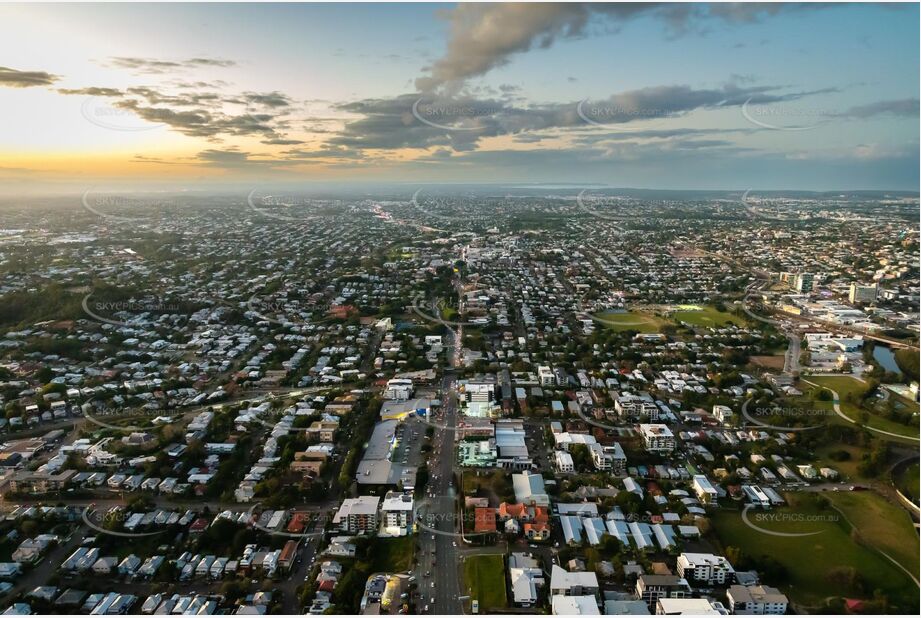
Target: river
x,y
886,358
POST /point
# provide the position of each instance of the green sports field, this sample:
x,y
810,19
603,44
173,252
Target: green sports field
x,y
640,322
706,316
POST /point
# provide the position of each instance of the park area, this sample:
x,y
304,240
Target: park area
x,y
705,316
485,578
850,391
827,563
881,524
631,320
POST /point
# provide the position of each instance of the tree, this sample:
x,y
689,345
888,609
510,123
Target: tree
x,y
581,458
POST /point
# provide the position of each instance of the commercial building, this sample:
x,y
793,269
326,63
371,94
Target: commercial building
x,y
477,453
398,389
862,294
510,443
529,489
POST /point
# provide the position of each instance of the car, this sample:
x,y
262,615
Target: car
x,y
432,600
426,608
432,584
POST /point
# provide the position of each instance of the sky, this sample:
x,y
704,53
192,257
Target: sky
x,y
668,96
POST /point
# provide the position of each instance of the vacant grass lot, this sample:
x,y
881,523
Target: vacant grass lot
x,y
708,316
809,559
641,322
391,555
881,524
770,362
848,468
485,579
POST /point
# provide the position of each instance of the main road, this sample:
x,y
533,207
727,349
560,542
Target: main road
x,y
437,572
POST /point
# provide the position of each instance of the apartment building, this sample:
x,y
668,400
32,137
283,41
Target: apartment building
x,y
396,514
358,515
756,600
705,568
609,458
657,438
651,588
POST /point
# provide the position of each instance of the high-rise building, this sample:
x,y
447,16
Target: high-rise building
x,y
803,282
861,294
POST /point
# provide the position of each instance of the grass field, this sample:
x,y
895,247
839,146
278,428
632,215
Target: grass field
x,y
847,468
908,482
485,579
770,362
809,559
641,322
881,524
708,316
845,385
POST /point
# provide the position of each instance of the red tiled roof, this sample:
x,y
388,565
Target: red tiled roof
x,y
484,519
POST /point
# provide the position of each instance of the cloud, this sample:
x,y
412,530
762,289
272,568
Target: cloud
x,y
408,121
485,36
223,158
93,91
324,152
203,123
11,78
281,141
158,161
155,97
268,99
153,65
900,107
199,112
